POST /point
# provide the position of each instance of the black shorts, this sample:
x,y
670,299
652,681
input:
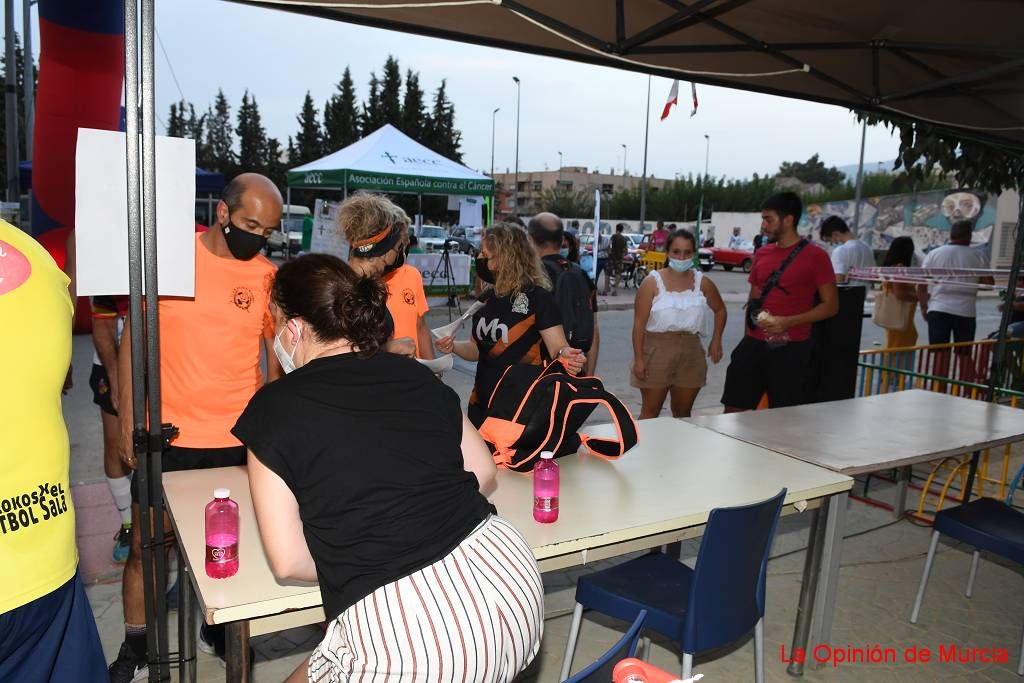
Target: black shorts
x,y
755,368
99,382
176,459
942,325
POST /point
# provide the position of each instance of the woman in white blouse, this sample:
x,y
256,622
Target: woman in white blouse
x,y
675,307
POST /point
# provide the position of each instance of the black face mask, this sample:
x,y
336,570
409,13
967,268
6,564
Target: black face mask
x,y
398,262
243,245
483,271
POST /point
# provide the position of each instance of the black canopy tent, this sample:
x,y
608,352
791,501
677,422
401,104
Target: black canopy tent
x,y
956,65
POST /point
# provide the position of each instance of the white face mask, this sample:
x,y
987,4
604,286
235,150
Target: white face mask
x,y
286,359
680,265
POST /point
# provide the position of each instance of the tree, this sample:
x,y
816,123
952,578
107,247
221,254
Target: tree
x,y
414,112
176,121
565,202
442,136
194,128
309,139
371,118
812,171
979,165
252,137
341,120
391,93
220,141
274,166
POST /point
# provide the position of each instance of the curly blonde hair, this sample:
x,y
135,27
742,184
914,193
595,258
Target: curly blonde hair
x,y
365,214
519,267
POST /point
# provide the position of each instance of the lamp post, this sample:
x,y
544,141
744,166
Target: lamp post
x,y
624,151
560,164
494,115
515,193
703,182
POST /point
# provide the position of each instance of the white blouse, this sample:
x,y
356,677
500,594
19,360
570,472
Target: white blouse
x,y
685,311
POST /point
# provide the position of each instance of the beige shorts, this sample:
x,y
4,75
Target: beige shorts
x,y
673,359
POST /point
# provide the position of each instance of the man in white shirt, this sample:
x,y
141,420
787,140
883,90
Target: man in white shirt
x,y
736,241
950,308
849,253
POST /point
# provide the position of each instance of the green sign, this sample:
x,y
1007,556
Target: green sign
x,y
388,182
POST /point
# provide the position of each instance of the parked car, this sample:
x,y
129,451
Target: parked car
x,y
706,259
431,237
733,258
464,241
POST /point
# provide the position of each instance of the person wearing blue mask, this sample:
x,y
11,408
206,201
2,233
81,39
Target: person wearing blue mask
x,y
675,307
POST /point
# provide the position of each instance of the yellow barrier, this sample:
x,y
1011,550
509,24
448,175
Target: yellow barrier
x,y
653,260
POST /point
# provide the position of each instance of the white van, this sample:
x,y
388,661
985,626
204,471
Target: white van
x,y
291,225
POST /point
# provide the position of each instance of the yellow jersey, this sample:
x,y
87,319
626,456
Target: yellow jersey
x,y
37,519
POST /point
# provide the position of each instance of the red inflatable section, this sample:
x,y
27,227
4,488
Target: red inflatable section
x,y
80,86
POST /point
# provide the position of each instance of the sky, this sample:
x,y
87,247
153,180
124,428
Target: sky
x,y
586,112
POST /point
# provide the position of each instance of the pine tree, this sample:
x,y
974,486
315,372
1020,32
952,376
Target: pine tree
x,y
443,137
176,121
309,139
291,153
341,120
391,93
414,113
194,128
274,166
252,137
371,118
220,139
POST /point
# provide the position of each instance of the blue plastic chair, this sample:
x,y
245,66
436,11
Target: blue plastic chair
x,y
706,607
601,670
986,524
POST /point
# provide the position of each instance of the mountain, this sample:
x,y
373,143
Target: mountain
x,y
850,170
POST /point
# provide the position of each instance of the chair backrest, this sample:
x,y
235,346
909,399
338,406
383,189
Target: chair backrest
x,y
727,592
601,670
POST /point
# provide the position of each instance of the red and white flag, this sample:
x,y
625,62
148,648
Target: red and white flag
x,y
693,90
673,99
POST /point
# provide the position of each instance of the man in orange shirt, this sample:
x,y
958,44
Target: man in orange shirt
x,y
209,367
407,304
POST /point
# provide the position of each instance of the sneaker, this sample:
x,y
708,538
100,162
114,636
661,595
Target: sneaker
x,y
126,668
122,543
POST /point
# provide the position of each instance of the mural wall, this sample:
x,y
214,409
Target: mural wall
x,y
925,217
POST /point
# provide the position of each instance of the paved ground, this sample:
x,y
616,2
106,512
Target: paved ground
x,y
881,562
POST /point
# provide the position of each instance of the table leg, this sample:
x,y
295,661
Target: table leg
x,y
237,654
828,579
901,491
808,587
972,471
186,627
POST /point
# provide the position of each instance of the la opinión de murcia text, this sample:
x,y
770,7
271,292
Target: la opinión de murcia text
x,y
876,654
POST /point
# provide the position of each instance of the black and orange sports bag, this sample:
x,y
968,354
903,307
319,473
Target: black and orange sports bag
x,y
535,409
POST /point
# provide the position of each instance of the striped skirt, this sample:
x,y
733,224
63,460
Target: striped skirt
x,y
476,615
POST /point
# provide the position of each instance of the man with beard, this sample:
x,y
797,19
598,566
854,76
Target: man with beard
x,y
792,286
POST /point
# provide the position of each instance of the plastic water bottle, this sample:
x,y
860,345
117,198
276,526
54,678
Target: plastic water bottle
x,y
545,489
221,535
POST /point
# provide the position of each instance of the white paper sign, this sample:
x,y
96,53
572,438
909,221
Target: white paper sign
x,y
101,214
432,268
327,235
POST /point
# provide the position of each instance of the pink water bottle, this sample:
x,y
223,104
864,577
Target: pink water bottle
x,y
545,489
221,535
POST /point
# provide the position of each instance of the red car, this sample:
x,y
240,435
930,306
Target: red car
x,y
733,258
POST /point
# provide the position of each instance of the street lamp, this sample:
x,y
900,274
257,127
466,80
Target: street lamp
x,y
515,194
560,164
624,150
493,184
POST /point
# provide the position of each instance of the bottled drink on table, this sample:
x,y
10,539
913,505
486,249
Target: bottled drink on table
x,y
221,535
545,489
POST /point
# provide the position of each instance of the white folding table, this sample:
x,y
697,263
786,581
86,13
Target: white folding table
x,y
868,434
660,492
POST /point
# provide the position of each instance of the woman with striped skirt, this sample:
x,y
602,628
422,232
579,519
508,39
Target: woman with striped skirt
x,y
366,477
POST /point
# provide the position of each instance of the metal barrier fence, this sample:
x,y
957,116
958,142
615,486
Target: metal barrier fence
x,y
959,369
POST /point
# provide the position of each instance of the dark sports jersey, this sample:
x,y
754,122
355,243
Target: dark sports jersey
x,y
507,331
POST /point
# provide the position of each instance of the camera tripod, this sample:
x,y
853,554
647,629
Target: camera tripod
x,y
444,269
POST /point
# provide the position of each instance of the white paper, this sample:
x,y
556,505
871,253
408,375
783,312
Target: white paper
x,y
101,214
471,212
438,365
327,235
447,330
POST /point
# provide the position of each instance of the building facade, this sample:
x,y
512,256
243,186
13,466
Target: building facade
x,y
525,199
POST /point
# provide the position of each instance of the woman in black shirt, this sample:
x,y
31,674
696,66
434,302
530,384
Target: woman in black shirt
x,y
367,478
520,321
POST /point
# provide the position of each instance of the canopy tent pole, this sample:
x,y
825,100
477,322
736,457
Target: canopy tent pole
x,y
287,216
860,181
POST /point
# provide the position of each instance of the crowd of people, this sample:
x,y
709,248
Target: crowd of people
x,y
391,532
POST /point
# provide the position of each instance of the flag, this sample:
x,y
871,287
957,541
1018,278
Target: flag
x,y
693,90
673,98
